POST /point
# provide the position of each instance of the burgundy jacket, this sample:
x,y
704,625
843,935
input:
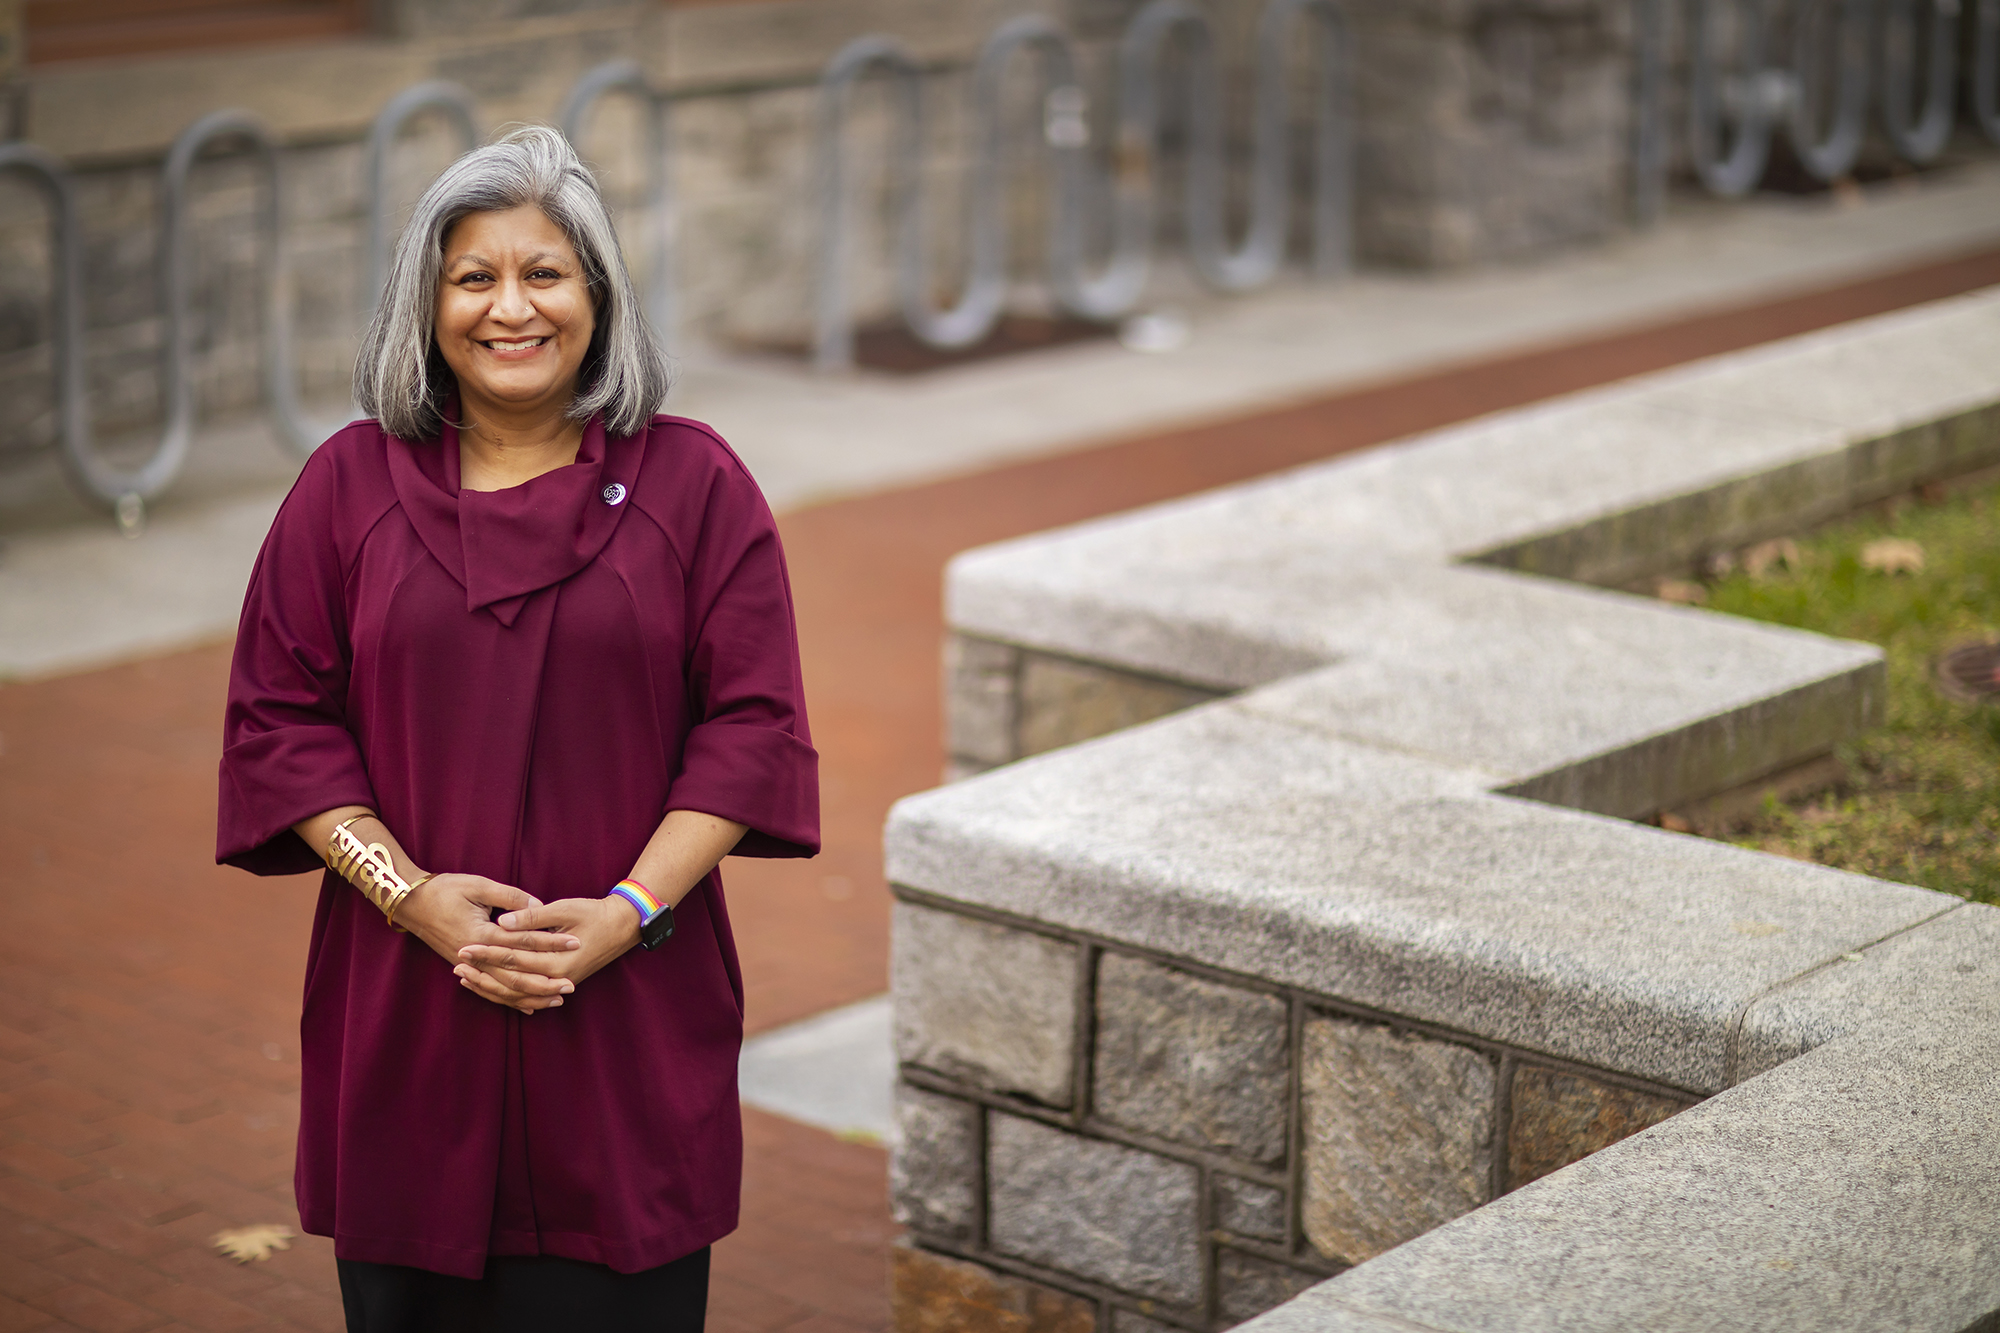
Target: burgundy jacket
x,y
521,682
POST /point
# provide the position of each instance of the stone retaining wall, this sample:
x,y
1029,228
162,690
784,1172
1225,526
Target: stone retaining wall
x,y
1346,942
1197,1145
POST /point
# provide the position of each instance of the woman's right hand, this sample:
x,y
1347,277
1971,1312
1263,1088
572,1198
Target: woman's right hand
x,y
448,912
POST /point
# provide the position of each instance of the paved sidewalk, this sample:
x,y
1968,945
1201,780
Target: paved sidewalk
x,y
148,1075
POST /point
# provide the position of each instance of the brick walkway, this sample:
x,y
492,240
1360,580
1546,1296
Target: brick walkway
x,y
148,1043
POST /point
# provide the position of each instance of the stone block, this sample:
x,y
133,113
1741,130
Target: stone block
x,y
993,1006
1398,1134
980,689
1246,1285
933,1293
1115,1215
1190,1060
1249,1209
1063,702
1557,1118
934,1170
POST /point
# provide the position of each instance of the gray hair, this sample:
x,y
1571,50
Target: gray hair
x,y
401,378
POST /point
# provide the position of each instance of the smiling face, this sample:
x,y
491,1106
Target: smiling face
x,y
514,315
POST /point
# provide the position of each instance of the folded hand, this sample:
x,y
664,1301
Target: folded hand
x,y
453,912
518,970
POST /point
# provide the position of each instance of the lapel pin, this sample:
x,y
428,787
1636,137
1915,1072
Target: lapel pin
x,y
614,493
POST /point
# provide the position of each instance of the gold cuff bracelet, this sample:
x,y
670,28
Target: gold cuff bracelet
x,y
368,867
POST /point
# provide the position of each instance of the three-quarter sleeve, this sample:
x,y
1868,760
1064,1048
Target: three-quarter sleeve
x,y
287,751
749,756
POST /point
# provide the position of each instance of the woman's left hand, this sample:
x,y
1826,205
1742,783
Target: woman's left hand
x,y
607,927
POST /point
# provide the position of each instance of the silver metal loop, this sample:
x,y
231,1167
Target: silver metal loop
x,y
66,292
1118,289
1830,155
460,112
1986,69
1751,99
1080,194
1258,259
1649,111
117,486
1919,134
983,295
625,76
1122,283
833,324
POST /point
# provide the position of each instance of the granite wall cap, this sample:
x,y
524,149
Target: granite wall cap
x,y
1848,1191
1945,970
1279,852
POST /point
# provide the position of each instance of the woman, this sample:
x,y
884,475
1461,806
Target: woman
x,y
517,660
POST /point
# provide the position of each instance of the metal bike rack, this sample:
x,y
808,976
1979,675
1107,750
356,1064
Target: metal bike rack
x,y
1734,171
439,96
1830,155
1920,134
983,296
1649,111
1075,188
833,326
1733,116
1986,69
1822,96
125,489
1257,261
625,76
66,245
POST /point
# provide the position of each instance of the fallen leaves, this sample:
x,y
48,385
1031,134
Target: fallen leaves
x,y
253,1243
1681,591
1893,555
1761,558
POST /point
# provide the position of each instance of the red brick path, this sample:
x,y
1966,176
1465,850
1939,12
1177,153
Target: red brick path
x,y
148,1031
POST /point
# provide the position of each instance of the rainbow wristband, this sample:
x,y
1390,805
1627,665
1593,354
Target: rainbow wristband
x,y
641,898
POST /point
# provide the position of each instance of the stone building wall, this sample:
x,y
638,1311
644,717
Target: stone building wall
x,y
1491,128
1485,130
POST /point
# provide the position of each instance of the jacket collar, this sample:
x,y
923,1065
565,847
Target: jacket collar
x,y
503,546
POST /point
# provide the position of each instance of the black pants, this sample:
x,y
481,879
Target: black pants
x,y
527,1295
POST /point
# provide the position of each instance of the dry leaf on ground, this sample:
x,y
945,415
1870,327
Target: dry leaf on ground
x,y
1682,591
1758,560
246,1244
1893,555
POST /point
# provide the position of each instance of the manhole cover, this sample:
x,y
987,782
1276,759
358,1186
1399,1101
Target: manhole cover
x,y
1970,673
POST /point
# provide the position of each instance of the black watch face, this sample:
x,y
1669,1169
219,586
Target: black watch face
x,y
657,931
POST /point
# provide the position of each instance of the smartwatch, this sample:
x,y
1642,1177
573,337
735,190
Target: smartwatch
x,y
656,919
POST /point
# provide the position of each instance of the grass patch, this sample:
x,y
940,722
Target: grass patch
x,y
1921,799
